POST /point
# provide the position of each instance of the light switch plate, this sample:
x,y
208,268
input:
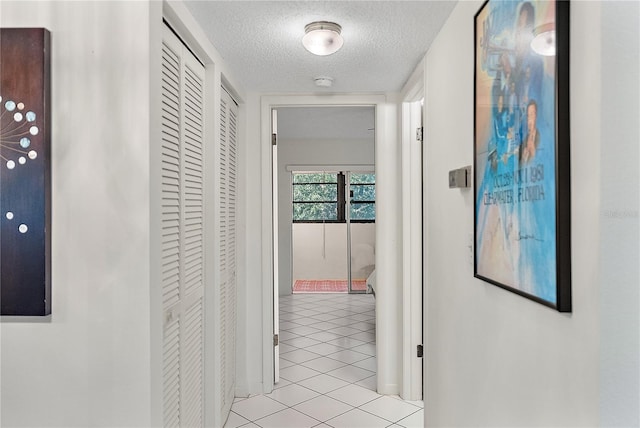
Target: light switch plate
x,y
460,178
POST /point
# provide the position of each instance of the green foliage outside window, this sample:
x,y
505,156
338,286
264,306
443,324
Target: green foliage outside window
x,y
362,178
315,196
363,196
314,177
319,196
315,212
363,211
315,192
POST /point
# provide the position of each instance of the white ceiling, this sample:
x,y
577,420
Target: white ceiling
x,y
261,41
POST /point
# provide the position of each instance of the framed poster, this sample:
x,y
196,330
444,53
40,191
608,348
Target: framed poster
x,y
25,172
521,149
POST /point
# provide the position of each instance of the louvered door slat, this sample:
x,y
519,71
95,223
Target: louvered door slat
x,y
227,158
182,214
193,373
172,375
170,217
170,180
232,246
222,259
192,245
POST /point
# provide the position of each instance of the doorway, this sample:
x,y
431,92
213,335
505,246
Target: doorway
x,y
387,173
317,139
317,148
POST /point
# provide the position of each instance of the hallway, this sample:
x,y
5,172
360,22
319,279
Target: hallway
x,y
327,370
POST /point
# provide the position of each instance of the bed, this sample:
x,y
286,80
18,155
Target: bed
x,y
371,283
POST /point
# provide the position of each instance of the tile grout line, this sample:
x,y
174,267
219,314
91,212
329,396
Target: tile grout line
x,y
327,373
346,311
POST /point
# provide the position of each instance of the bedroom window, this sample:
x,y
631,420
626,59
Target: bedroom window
x,y
316,196
321,197
363,197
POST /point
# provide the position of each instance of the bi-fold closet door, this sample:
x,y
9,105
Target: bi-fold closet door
x,y
227,165
182,219
183,244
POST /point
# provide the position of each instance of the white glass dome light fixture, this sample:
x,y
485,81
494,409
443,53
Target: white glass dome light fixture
x,y
544,40
322,38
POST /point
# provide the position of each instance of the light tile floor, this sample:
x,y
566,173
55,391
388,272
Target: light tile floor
x,y
327,370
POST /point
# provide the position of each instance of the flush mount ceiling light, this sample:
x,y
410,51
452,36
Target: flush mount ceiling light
x,y
544,40
322,37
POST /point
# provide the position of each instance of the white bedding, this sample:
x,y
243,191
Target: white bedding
x,y
371,283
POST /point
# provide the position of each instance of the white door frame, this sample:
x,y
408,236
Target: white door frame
x,y
276,276
412,237
267,104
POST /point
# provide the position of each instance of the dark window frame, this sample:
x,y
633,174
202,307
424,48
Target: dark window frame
x,y
361,202
340,202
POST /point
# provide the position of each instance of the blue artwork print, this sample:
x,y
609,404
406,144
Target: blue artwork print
x,y
515,156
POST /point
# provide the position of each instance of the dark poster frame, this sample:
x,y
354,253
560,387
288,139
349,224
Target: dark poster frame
x,y
522,190
25,172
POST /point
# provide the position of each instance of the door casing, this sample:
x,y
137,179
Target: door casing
x,y
268,103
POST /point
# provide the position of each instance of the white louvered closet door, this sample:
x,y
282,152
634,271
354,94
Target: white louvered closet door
x,y
227,250
182,233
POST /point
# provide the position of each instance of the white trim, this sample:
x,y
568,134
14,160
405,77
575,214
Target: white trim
x,y
412,265
385,140
406,249
413,89
388,251
425,234
336,167
276,256
155,221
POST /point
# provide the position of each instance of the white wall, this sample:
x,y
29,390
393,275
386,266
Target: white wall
x,y
253,300
309,152
89,364
319,251
363,249
619,249
494,358
388,253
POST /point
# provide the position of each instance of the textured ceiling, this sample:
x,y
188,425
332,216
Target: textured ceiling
x,y
261,42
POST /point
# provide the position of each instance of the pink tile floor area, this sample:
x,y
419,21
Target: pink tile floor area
x,y
327,371
328,285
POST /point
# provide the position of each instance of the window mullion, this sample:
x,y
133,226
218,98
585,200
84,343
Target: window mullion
x,y
342,203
